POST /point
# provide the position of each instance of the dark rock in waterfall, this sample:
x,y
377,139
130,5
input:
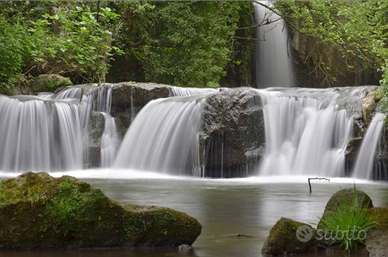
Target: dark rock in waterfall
x,y
49,83
128,98
351,154
38,211
362,115
233,134
97,122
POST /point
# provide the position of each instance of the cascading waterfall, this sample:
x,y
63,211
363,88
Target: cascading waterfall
x,y
308,130
273,52
109,139
51,131
39,135
304,135
366,156
164,137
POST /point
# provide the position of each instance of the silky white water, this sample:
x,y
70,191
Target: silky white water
x,y
366,156
273,51
35,135
307,130
190,91
50,132
164,137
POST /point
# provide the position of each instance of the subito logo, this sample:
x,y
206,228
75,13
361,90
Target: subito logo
x,y
304,233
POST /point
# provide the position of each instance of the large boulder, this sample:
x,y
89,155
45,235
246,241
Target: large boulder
x,y
346,196
289,236
38,211
49,82
128,98
233,136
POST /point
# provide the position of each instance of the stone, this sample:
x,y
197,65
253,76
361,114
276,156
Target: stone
x,y
376,242
288,236
185,248
346,196
38,211
233,136
49,82
128,98
368,107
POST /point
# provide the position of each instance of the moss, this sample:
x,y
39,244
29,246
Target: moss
x,y
380,215
377,96
44,212
49,82
282,238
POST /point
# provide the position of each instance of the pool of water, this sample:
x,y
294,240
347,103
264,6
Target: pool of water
x,y
224,207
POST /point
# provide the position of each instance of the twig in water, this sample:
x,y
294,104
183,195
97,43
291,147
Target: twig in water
x,y
316,179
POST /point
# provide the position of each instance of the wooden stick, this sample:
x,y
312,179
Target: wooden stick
x,y
316,178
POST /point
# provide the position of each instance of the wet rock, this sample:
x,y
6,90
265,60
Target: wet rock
x,y
185,248
368,107
49,83
346,196
288,236
38,211
351,154
97,124
128,98
232,139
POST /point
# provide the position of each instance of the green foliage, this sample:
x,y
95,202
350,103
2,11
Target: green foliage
x,y
354,32
349,217
14,52
384,84
64,38
185,44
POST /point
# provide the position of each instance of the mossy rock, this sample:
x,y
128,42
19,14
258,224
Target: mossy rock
x,y
376,242
289,236
49,82
380,215
38,211
346,196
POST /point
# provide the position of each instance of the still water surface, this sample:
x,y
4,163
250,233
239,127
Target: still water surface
x,y
224,207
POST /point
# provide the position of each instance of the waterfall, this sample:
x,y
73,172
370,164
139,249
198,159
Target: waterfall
x,y
273,51
51,131
307,131
189,91
38,135
366,156
109,141
164,137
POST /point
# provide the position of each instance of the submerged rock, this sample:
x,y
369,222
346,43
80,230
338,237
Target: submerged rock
x,y
289,236
49,83
38,211
233,134
128,98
